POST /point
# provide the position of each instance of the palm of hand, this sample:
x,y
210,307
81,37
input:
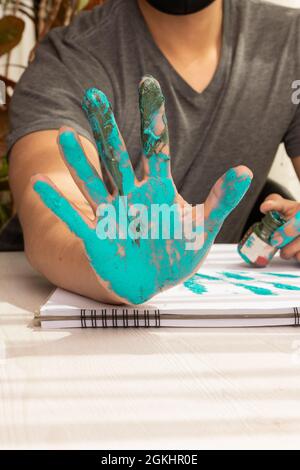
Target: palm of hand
x,y
120,245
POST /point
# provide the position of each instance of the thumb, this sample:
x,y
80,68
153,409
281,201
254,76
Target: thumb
x,y
225,195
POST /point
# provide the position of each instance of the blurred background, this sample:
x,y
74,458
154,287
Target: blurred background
x,y
25,22
283,170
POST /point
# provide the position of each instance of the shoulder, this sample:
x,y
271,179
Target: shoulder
x,y
268,31
90,27
266,14
89,24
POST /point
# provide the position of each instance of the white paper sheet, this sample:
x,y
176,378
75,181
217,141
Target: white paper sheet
x,y
225,292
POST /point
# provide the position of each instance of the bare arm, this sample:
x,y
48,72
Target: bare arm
x,y
49,245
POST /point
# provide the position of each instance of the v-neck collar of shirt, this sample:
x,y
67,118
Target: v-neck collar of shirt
x,y
176,79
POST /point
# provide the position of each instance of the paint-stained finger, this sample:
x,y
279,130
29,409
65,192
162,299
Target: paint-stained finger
x,y
275,202
110,144
81,169
287,233
291,250
61,207
226,194
154,128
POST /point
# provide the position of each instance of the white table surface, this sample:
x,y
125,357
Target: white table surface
x,y
110,389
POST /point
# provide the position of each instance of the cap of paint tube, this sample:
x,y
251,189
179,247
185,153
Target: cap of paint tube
x,y
255,247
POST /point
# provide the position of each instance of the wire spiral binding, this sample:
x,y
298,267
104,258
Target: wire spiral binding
x,y
297,316
119,318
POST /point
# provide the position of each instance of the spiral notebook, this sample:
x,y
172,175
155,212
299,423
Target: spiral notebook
x,y
224,293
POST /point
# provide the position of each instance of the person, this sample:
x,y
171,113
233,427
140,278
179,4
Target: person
x,y
226,69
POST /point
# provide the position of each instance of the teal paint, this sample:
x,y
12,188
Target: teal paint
x,y
207,277
159,165
195,286
284,275
243,256
259,236
249,242
154,127
62,208
284,286
108,139
150,265
76,158
237,276
280,238
256,290
127,275
233,189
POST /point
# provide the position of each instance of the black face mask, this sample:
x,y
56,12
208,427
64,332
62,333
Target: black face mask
x,y
180,7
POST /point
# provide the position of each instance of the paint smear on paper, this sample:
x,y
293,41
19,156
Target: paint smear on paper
x,y
237,276
195,286
255,289
284,286
207,277
286,275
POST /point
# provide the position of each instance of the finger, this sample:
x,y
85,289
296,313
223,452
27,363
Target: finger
x,y
275,202
82,171
61,207
287,233
108,139
226,194
154,128
271,201
291,250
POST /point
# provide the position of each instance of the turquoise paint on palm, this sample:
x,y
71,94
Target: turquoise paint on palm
x,y
136,271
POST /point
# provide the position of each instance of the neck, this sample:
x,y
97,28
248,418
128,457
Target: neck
x,y
186,35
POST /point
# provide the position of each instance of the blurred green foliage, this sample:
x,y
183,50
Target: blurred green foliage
x,y
45,15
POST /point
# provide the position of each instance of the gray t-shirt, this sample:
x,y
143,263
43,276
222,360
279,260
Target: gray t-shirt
x,y
240,118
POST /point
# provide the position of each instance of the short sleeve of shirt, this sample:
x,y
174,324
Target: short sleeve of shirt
x,y
51,90
292,137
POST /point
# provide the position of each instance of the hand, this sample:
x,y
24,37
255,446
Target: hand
x,y
287,237
135,269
